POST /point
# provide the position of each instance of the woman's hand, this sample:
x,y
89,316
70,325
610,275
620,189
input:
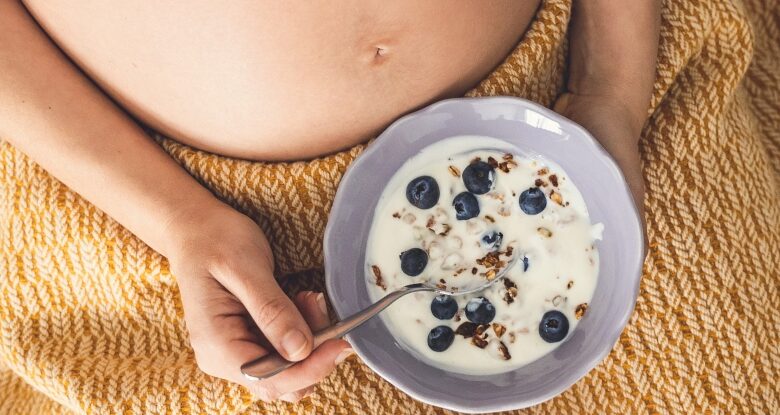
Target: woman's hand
x,y
613,47
235,311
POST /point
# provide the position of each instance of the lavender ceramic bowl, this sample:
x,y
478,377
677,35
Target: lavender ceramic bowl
x,y
527,127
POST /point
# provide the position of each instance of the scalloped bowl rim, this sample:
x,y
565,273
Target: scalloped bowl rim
x,y
604,157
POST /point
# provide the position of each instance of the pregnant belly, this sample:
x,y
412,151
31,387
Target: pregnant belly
x,y
281,80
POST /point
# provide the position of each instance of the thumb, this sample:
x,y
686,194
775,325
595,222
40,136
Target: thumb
x,y
274,313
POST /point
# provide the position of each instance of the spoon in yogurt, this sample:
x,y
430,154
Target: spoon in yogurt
x,y
273,363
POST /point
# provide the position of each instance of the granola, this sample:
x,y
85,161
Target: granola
x,y
498,328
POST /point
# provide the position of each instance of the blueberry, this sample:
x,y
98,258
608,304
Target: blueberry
x,y
440,338
533,201
479,310
413,261
492,239
479,177
444,307
554,326
525,263
423,192
466,206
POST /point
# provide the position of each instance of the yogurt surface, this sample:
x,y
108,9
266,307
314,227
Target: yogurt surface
x,y
490,206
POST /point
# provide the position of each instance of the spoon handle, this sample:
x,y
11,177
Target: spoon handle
x,y
266,366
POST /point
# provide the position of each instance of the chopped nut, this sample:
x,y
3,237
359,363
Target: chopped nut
x,y
543,171
580,310
509,250
507,164
511,291
479,342
466,329
454,171
396,215
436,227
504,351
556,197
540,183
475,159
569,284
378,277
490,219
544,232
490,274
493,162
409,218
457,317
459,271
507,156
554,180
508,298
481,329
490,260
499,329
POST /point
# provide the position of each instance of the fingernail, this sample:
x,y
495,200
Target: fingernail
x,y
344,355
323,305
294,342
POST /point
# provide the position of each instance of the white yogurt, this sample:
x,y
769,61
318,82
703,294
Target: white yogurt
x,y
558,242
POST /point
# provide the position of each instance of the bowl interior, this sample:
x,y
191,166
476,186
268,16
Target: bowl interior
x,y
527,128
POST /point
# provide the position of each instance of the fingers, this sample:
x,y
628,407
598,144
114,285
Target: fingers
x,y
220,334
314,368
314,309
272,311
223,339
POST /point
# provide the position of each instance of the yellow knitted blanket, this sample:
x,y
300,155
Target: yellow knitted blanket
x,y
91,322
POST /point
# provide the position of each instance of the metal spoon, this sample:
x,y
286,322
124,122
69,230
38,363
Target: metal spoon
x,y
271,364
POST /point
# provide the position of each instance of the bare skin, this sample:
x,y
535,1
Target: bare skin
x,y
60,118
251,79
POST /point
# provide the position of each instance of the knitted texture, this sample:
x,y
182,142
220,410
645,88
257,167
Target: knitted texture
x,y
91,321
